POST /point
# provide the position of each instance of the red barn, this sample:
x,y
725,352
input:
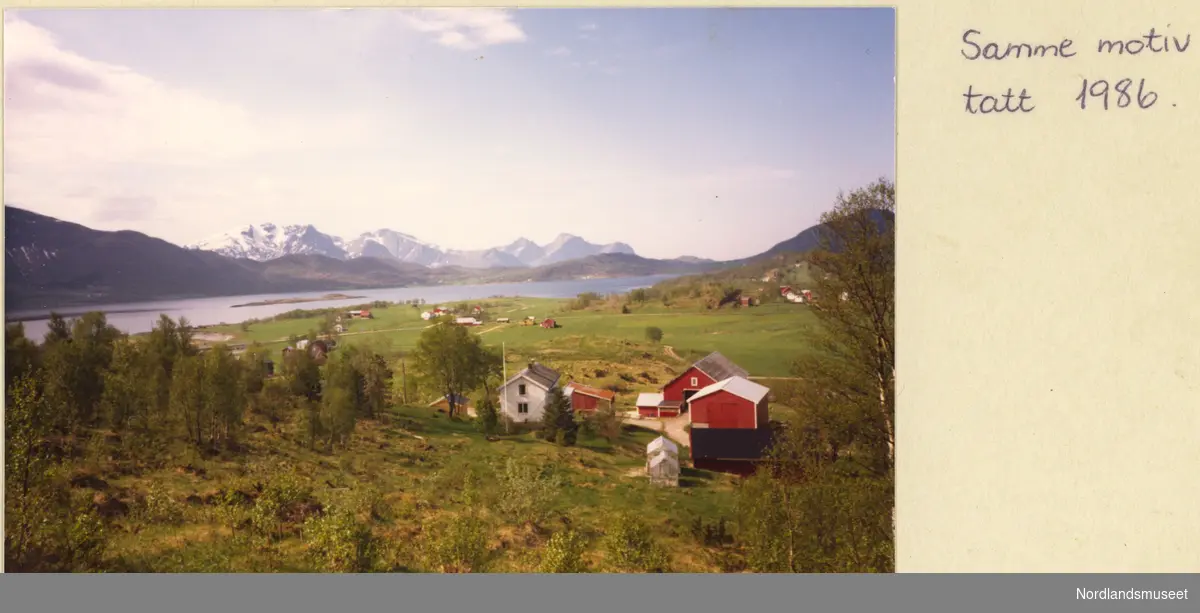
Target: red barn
x,y
549,323
735,403
587,399
713,368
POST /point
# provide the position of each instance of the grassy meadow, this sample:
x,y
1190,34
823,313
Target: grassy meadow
x,y
402,475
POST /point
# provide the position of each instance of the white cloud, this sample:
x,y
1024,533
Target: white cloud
x,y
91,139
560,51
589,27
467,28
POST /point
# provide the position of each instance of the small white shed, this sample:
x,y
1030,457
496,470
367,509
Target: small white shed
x,y
663,469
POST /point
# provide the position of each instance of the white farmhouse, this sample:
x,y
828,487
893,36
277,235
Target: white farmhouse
x,y
523,397
426,315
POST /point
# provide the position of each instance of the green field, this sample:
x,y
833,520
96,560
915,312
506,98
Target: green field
x,y
764,339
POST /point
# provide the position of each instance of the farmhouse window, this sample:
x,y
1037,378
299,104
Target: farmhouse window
x,y
695,381
521,389
522,407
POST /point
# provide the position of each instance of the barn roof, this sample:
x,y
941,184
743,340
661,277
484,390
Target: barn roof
x,y
719,367
738,386
731,443
542,376
649,400
594,392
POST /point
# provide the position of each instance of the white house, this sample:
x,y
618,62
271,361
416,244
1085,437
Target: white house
x,y
523,397
467,321
426,315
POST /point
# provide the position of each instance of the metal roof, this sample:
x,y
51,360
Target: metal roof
x,y
738,386
542,376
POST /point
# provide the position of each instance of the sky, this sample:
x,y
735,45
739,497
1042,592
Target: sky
x,y
706,132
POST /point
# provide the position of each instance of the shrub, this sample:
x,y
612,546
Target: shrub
x,y
564,553
340,543
458,545
630,547
527,492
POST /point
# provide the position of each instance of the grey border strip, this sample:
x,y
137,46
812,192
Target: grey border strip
x,y
583,593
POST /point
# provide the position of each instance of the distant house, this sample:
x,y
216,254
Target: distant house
x,y
746,301
427,315
461,404
523,397
586,399
339,328
785,290
503,320
807,295
735,402
477,309
549,323
712,368
467,321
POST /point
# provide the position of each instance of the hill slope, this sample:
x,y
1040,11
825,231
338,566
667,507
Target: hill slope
x,y
51,263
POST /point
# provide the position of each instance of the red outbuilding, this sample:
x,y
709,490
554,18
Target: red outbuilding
x,y
713,368
735,403
586,399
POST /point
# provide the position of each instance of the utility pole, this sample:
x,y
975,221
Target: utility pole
x,y
403,381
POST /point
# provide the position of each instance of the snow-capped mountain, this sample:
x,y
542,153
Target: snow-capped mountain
x,y
526,251
269,241
570,247
396,244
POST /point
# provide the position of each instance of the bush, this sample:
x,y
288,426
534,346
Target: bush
x,y
527,492
564,553
340,543
158,507
458,545
654,334
630,547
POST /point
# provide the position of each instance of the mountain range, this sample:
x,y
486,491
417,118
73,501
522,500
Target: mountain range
x,y
50,263
269,241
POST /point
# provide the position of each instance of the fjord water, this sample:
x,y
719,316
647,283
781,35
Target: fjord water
x,y
138,317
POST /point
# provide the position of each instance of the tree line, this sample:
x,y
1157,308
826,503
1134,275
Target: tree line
x,y
157,397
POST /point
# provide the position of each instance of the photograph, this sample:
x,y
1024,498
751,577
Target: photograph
x,y
449,290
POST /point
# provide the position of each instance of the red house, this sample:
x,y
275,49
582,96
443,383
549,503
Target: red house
x,y
713,368
549,323
586,399
734,403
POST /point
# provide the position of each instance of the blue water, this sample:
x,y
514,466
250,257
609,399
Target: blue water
x,y
137,317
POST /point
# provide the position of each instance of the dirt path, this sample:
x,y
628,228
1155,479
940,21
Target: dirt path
x,y
670,351
672,427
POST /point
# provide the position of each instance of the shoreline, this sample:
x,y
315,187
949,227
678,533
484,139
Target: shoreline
x,y
325,298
